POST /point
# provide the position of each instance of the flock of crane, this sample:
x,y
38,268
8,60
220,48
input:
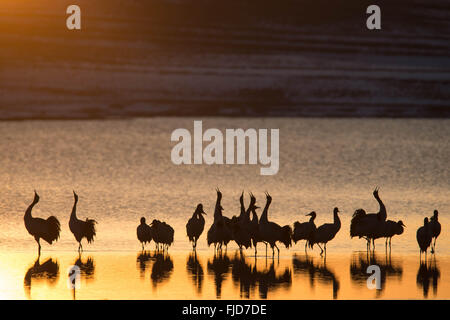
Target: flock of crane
x,y
246,229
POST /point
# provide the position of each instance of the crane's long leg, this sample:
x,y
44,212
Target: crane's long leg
x,y
39,246
306,243
321,250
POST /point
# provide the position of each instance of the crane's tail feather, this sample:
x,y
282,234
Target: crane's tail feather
x,y
356,219
53,230
90,231
286,236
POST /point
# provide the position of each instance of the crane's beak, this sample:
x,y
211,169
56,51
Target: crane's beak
x,y
309,214
203,212
402,224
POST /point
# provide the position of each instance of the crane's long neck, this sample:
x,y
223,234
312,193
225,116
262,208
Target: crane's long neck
x,y
382,212
254,215
313,217
217,211
243,212
337,221
73,215
28,215
264,215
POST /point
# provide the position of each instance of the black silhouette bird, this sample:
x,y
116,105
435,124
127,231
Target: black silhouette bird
x,y
424,237
254,225
81,229
144,233
366,225
326,232
305,230
39,228
435,227
388,229
240,226
219,233
162,233
195,225
47,271
272,232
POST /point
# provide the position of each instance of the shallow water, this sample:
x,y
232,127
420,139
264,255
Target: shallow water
x,y
121,170
182,275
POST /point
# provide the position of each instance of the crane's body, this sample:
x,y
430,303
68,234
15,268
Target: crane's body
x,y
81,229
424,237
388,229
327,232
219,233
305,230
271,232
162,233
240,226
367,225
47,229
195,225
144,233
435,228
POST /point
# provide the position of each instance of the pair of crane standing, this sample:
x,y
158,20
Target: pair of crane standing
x,y
245,231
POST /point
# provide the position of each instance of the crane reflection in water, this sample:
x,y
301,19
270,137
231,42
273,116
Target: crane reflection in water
x,y
87,270
305,266
390,269
427,274
195,270
48,271
247,276
161,266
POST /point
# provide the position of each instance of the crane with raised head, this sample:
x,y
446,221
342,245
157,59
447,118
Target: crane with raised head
x,y
47,229
81,229
271,232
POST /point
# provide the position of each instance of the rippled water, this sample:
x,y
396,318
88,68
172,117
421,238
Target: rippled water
x,y
121,170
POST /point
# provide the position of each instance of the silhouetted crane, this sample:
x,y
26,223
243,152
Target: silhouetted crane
x,y
254,225
424,237
81,229
390,228
305,230
195,225
144,233
366,225
327,232
435,227
272,232
219,233
240,226
162,233
39,228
